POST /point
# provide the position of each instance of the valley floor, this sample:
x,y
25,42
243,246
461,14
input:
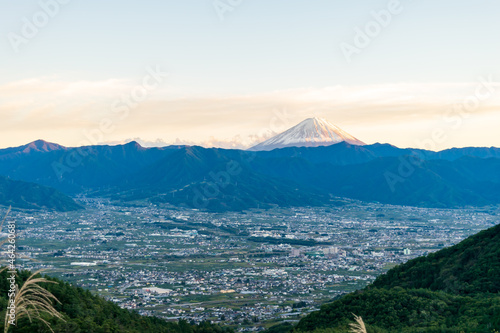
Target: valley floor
x,y
251,269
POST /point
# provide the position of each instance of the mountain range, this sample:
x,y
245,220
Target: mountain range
x,y
228,179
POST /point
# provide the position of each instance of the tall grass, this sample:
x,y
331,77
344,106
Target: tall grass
x,y
32,300
358,326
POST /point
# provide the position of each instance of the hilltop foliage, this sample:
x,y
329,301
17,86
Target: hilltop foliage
x,y
470,267
453,290
84,312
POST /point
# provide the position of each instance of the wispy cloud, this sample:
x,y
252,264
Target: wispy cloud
x,y
60,111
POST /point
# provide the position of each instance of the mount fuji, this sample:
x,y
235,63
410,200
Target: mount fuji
x,y
312,132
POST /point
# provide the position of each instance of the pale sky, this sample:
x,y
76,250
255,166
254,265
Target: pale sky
x,y
420,74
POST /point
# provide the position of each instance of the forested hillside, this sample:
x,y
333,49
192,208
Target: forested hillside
x,y
87,313
453,290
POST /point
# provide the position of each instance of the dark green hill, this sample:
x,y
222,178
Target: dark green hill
x,y
26,195
217,180
470,267
401,310
456,289
87,313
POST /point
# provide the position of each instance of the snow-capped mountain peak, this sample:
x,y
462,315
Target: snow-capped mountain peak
x,y
312,132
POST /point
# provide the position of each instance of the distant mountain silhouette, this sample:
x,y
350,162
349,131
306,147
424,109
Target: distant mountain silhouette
x,y
198,177
39,146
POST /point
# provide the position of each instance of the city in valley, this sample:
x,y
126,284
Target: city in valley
x,y
248,269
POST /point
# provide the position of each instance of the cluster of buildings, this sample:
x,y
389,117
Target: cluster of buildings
x,y
244,268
